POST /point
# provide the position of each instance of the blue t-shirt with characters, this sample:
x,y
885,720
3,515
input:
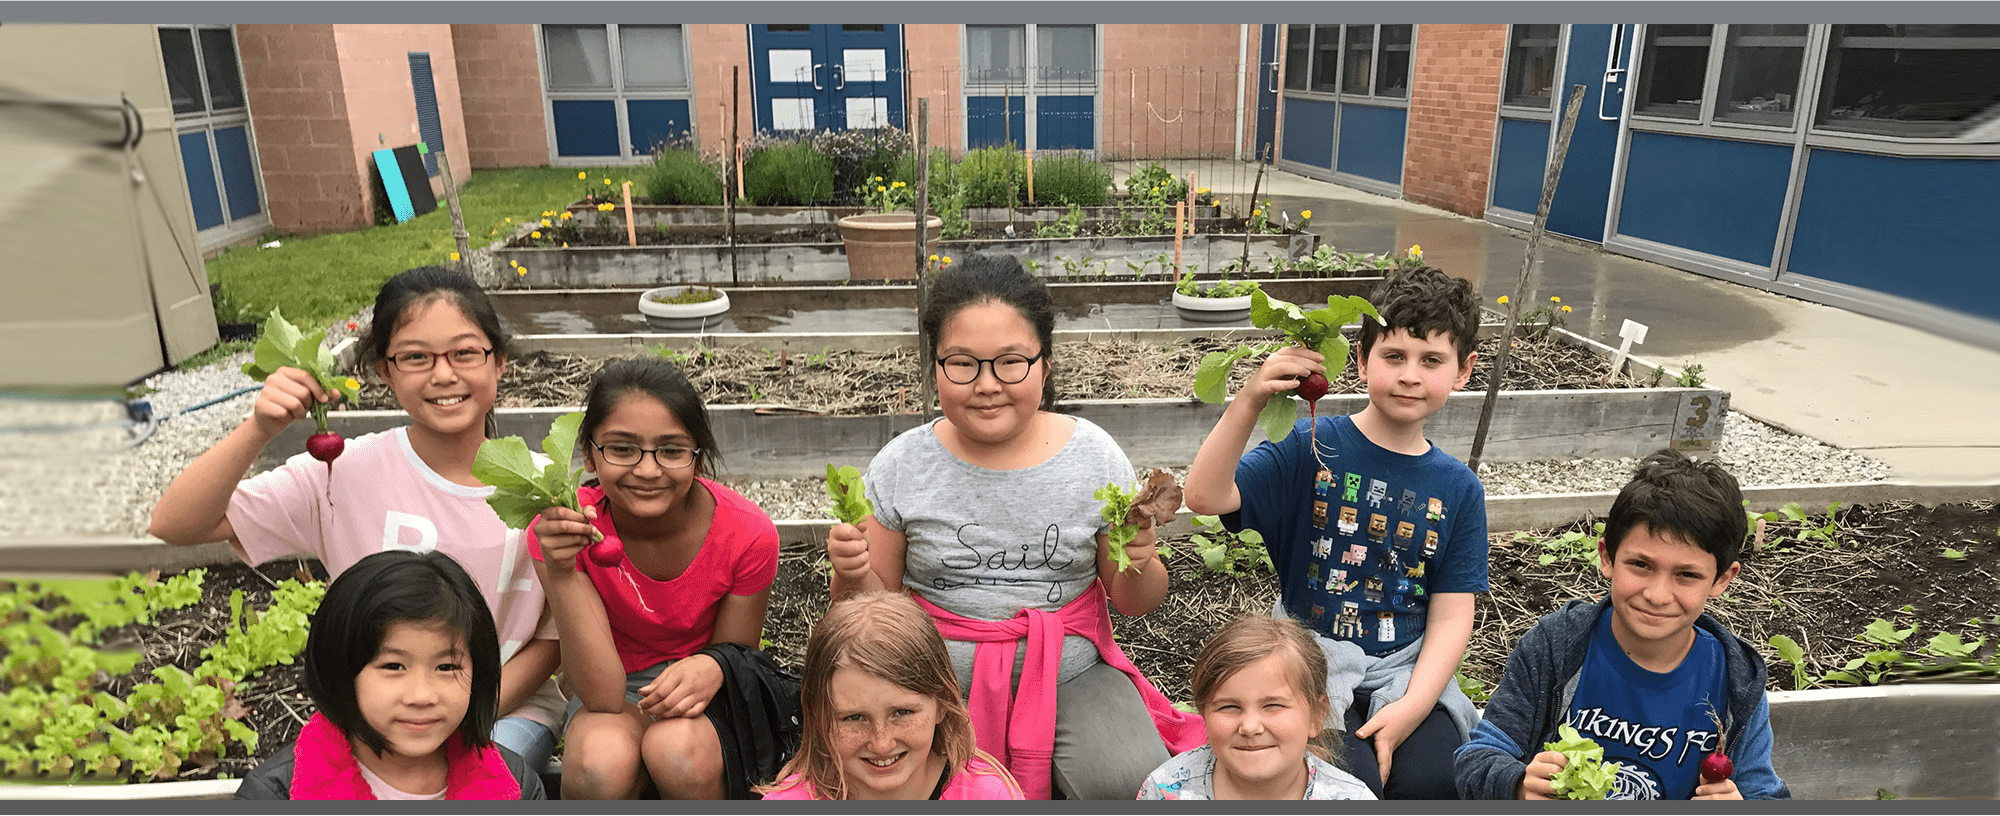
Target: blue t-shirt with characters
x,y
1655,725
1362,536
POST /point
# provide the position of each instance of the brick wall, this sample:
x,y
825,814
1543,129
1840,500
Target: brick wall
x,y
715,50
1452,115
1170,90
291,75
500,87
934,65
382,104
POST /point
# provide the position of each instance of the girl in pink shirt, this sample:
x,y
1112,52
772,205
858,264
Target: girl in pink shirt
x,y
435,340
883,715
694,568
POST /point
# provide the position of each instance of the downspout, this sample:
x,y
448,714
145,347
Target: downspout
x,y
1242,76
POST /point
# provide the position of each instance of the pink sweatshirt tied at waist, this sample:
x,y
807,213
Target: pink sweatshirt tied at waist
x,y
1019,725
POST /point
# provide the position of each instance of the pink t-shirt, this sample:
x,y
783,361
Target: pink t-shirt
x,y
384,497
653,620
979,780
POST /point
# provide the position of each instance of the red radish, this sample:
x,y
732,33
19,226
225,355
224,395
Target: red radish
x,y
607,552
1716,767
325,446
1312,388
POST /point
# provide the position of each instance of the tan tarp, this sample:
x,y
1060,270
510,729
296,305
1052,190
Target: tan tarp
x,y
101,278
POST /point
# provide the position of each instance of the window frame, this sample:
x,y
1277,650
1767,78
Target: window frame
x,y
1560,54
209,120
1032,87
1336,91
1979,141
618,94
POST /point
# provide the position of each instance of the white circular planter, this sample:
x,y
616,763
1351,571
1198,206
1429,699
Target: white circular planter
x,y
681,316
1212,310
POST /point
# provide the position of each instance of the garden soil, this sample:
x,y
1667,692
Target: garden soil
x,y
1885,561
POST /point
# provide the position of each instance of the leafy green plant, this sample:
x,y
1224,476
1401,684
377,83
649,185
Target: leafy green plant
x,y
950,210
1259,222
788,173
683,175
1155,180
861,153
886,195
1072,180
1473,688
849,494
1065,226
943,174
521,490
991,177
1690,376
1155,501
1318,330
1576,547
1809,531
1226,552
693,294
1222,288
1543,318
1586,775
1791,652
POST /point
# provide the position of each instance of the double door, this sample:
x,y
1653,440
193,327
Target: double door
x,y
827,77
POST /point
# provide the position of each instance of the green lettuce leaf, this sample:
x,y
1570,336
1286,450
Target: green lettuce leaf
x,y
849,494
1118,505
521,491
1587,775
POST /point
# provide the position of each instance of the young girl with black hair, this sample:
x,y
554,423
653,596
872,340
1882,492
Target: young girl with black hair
x,y
883,715
988,517
436,341
1260,685
403,664
696,570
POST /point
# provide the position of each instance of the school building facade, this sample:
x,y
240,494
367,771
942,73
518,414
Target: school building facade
x,y
1852,165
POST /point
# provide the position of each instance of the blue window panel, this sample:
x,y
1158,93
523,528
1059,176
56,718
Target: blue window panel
x,y
1523,161
1715,196
654,121
1308,126
586,127
1371,142
1065,122
1917,228
991,121
200,170
239,174
427,109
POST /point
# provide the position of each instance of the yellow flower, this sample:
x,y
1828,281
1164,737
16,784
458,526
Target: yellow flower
x,y
510,219
897,184
454,256
513,263
947,259
606,207
1416,250
547,213
565,245
881,189
581,174
1554,299
1306,214
353,384
523,271
535,234
607,182
934,258
567,215
1502,301
1256,212
545,223
1565,310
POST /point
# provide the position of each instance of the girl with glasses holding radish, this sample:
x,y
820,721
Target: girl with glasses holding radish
x,y
649,635
435,340
987,517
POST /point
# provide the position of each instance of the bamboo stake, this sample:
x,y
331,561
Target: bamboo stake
x,y
735,159
1031,175
1549,180
927,386
631,231
1180,226
458,232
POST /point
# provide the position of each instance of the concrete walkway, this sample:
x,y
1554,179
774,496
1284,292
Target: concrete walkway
x,y
1927,406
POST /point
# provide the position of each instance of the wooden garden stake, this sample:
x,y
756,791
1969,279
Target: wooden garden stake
x,y
1180,226
1190,202
631,231
1258,182
926,385
458,232
734,159
1549,180
1031,176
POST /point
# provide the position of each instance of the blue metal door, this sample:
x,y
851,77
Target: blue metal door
x,y
1598,57
1267,92
826,77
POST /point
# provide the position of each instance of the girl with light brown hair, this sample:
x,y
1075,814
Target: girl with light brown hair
x,y
883,715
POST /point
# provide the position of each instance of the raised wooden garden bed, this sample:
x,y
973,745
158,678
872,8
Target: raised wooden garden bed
x,y
649,216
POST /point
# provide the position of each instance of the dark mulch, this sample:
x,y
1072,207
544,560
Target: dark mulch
x,y
846,382
1890,563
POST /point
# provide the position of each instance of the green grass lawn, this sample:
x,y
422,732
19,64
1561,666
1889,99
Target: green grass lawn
x,y
322,278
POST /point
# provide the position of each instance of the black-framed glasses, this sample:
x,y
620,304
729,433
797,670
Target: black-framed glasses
x,y
626,454
1009,369
417,362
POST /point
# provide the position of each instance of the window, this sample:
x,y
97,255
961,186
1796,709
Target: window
x,y
1673,70
1068,54
1910,80
212,125
996,55
1352,60
1531,66
1760,74
1032,85
615,91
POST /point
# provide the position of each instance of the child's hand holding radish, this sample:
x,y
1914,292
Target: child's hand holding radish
x,y
1717,768
564,533
300,379
1317,330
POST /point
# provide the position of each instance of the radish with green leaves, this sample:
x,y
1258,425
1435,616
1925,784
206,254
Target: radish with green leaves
x,y
1318,330
283,345
521,491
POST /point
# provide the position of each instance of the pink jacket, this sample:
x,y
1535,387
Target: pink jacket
x,y
1020,727
325,768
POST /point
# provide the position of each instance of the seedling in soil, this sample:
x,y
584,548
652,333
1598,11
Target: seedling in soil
x,y
522,491
1156,502
1791,652
1222,551
1318,330
1576,546
1690,376
283,345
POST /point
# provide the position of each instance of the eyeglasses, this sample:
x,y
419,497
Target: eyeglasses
x,y
626,454
1009,369
417,362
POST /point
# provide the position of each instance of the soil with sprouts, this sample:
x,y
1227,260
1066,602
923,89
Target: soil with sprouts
x,y
1929,568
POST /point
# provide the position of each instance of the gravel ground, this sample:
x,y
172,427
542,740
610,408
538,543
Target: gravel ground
x,y
106,490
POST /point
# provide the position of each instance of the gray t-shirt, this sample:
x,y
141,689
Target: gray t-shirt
x,y
988,543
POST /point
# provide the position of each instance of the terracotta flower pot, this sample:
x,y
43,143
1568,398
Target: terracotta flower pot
x,y
883,246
